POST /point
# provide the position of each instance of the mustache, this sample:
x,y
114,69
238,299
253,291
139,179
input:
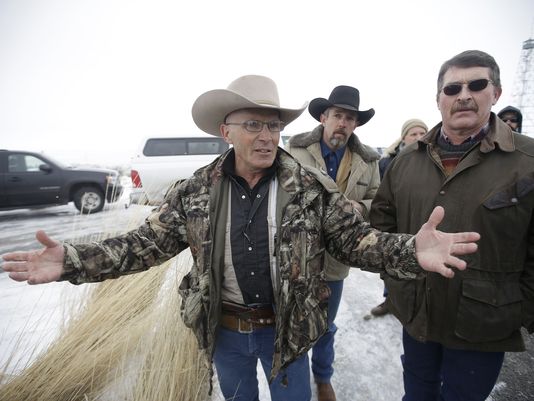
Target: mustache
x,y
467,106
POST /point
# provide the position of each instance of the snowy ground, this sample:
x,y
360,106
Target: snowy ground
x,y
367,363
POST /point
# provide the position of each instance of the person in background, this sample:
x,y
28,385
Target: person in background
x,y
334,148
513,117
412,130
455,332
258,225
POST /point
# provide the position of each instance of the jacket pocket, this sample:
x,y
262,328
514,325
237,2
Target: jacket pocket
x,y
509,209
511,195
488,310
405,297
308,318
194,295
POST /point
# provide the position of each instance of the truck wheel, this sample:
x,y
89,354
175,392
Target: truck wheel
x,y
89,200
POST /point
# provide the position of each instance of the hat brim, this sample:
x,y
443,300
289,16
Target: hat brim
x,y
319,105
211,108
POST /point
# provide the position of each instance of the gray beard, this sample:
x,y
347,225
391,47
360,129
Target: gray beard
x,y
336,143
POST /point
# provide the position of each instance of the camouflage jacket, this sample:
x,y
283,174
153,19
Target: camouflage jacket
x,y
312,216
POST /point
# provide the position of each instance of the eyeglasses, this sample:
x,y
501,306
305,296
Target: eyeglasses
x,y
474,86
512,120
257,126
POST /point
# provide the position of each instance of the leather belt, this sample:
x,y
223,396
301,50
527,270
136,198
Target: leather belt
x,y
245,319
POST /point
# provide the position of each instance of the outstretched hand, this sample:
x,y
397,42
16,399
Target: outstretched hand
x,y
36,267
435,250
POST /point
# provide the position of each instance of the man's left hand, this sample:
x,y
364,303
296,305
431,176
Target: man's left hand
x,y
435,250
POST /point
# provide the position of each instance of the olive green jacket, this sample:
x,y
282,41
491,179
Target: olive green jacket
x,y
491,191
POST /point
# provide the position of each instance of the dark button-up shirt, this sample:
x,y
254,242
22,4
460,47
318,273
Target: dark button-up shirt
x,y
332,158
249,235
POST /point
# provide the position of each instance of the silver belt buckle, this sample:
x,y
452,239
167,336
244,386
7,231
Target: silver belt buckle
x,y
239,330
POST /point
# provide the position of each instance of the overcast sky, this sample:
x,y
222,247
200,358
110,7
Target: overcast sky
x,y
86,80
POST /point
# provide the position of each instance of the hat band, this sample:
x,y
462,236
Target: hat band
x,y
346,106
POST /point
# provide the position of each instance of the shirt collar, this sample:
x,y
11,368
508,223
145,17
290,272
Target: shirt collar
x,y
473,138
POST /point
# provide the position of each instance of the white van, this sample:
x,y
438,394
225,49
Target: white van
x,y
164,161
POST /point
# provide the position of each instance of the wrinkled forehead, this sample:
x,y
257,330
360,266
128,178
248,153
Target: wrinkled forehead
x,y
458,74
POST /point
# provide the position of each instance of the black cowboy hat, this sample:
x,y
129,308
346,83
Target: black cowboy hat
x,y
345,97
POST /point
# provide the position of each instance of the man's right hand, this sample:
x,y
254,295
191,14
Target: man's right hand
x,y
36,267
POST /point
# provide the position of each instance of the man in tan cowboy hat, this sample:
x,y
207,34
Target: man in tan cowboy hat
x,y
335,149
257,224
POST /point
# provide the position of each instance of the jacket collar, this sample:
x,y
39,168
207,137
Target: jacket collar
x,y
499,136
309,138
288,171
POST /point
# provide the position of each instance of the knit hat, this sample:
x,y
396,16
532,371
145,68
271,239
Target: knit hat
x,y
414,122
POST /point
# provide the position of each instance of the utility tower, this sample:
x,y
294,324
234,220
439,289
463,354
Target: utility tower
x,y
523,94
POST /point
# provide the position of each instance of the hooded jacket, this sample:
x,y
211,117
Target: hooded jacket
x,y
363,181
312,218
388,155
491,191
517,112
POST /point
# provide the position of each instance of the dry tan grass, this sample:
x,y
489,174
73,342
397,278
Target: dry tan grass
x,y
126,343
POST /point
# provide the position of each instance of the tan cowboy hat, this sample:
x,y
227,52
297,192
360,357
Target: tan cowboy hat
x,y
246,92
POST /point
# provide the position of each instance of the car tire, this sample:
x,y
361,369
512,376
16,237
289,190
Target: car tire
x,y
89,200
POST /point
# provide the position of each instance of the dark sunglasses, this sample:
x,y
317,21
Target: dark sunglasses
x,y
512,120
474,86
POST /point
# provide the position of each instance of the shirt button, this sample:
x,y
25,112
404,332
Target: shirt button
x,y
442,192
250,248
514,200
258,196
251,273
257,295
242,196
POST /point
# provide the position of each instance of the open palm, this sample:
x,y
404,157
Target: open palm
x,y
39,266
436,250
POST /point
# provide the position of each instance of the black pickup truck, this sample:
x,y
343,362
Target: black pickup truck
x,y
30,180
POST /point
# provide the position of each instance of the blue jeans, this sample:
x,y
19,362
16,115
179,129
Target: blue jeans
x,y
236,358
433,372
323,350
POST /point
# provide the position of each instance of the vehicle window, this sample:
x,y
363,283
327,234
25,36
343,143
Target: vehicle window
x,y
184,146
206,147
164,147
18,163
